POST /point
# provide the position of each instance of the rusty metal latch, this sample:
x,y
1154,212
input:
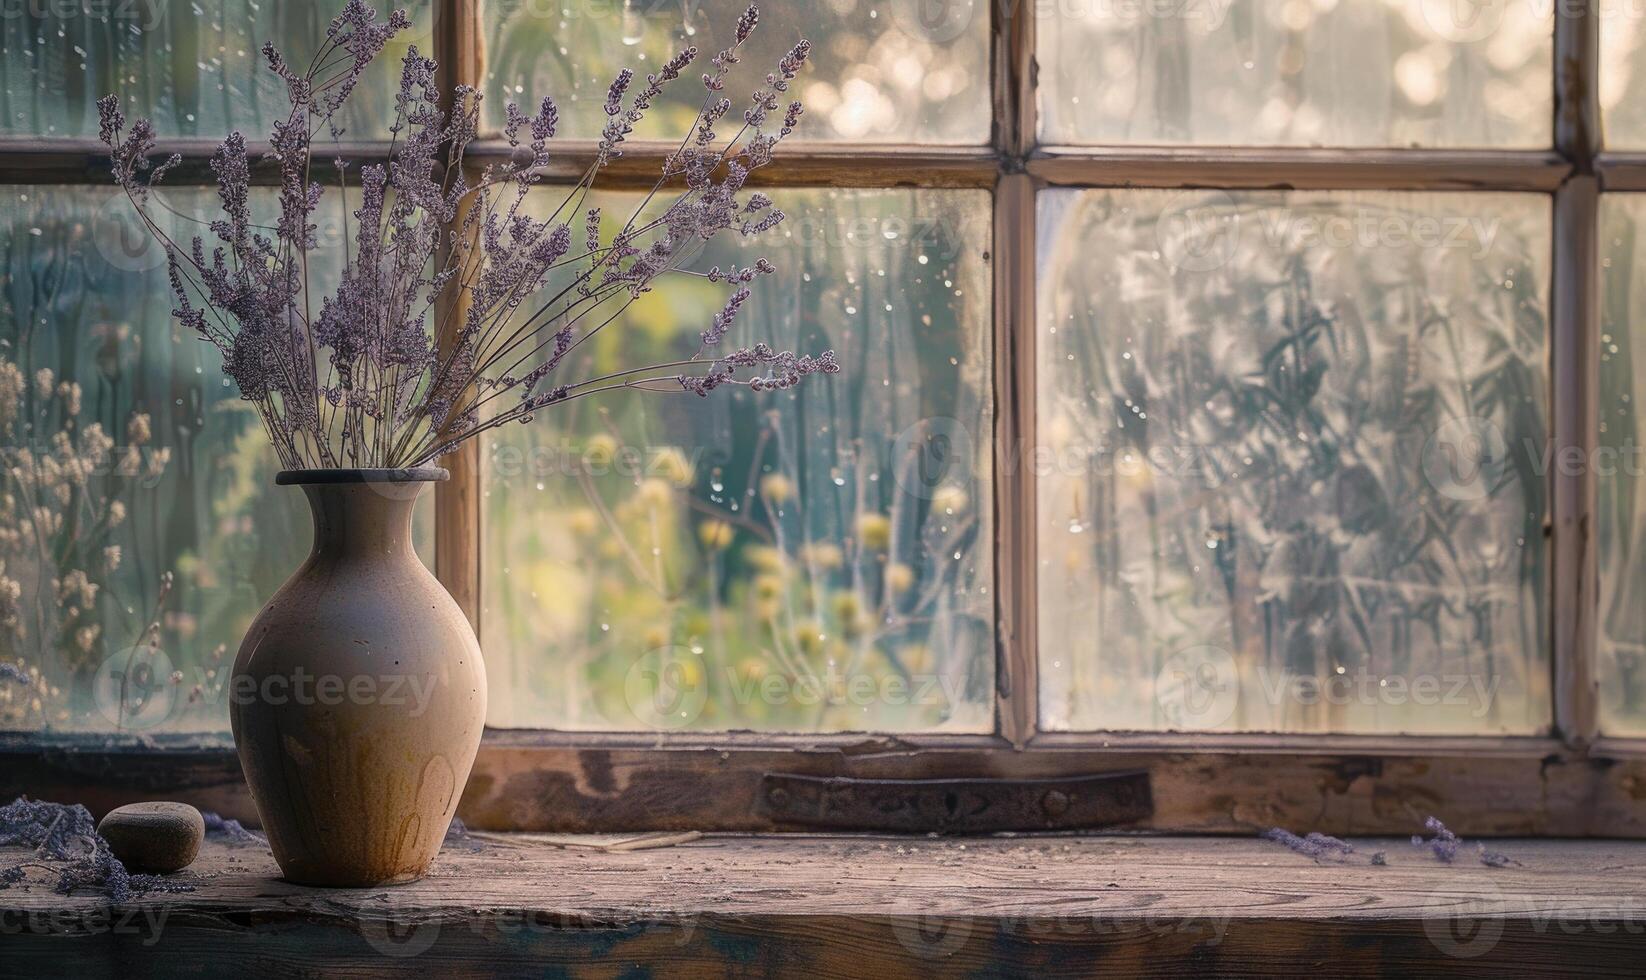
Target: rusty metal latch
x,y
957,806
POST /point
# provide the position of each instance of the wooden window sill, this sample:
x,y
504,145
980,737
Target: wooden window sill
x,y
820,906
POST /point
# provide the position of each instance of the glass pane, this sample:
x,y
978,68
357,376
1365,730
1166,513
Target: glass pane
x,y
1298,73
1292,465
899,71
1623,74
195,67
178,479
1620,525
819,559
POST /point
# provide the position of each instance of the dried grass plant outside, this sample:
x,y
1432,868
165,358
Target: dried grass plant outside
x,y
356,378
63,504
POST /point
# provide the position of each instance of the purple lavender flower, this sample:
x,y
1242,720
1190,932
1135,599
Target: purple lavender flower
x,y
66,833
746,23
1444,844
52,829
356,378
723,320
220,826
100,870
1318,846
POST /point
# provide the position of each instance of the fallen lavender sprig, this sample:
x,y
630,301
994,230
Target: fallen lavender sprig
x,y
1445,844
102,871
236,833
53,830
1318,846
456,308
66,833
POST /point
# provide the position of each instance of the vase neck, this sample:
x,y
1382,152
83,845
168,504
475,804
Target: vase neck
x,y
362,519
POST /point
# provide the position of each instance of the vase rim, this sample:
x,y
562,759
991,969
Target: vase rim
x,y
406,474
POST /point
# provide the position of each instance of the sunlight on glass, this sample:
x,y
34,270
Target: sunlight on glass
x,y
127,458
1620,525
194,67
1623,74
818,559
880,71
1292,461
1297,73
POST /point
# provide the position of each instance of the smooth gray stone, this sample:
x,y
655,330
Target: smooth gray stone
x,y
155,838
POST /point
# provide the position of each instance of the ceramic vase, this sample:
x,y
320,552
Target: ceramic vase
x,y
358,695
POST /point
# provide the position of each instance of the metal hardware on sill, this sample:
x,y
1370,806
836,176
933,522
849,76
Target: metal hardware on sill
x,y
957,806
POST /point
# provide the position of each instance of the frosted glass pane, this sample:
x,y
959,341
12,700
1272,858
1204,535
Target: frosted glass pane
x,y
813,560
1297,73
83,296
898,71
193,66
1292,470
1620,526
1623,74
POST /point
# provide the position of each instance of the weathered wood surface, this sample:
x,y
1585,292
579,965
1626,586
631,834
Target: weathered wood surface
x,y
1343,786
1264,168
817,164
1575,330
1340,785
863,906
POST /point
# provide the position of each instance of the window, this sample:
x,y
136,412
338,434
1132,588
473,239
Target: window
x,y
1251,503
786,562
1239,391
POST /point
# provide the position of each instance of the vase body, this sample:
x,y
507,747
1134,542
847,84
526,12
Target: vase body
x,y
358,695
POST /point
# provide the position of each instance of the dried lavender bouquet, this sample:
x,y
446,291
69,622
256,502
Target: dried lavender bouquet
x,y
357,378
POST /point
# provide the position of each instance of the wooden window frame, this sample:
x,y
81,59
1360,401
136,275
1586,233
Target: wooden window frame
x,y
1571,782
